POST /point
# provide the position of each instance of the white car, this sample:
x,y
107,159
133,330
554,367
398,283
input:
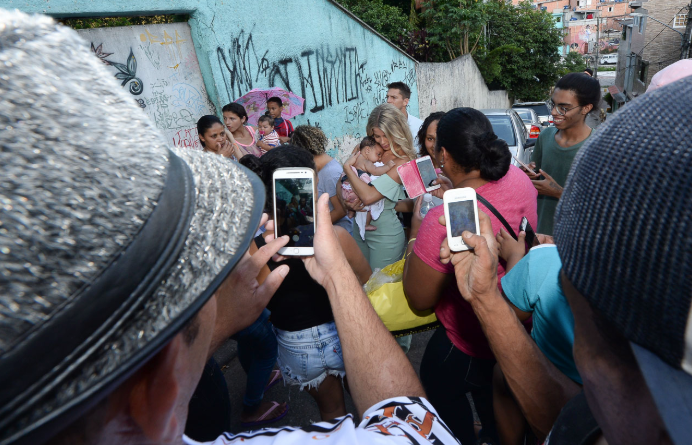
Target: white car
x,y
508,125
531,121
608,59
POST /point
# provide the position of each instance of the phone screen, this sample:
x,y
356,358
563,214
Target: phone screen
x,y
427,172
295,216
461,217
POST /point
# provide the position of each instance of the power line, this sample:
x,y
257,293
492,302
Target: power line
x,y
661,32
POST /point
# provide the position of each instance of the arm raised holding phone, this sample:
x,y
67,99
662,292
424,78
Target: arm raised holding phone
x,y
538,387
376,366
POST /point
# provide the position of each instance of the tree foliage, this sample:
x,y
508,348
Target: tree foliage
x,y
519,52
390,21
455,25
572,63
107,22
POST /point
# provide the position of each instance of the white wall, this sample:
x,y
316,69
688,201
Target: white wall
x,y
444,86
158,66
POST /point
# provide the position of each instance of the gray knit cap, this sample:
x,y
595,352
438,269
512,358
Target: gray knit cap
x,y
623,229
109,240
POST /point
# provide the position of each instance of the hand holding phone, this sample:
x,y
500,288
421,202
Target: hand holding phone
x,y
529,169
461,214
294,209
427,173
531,238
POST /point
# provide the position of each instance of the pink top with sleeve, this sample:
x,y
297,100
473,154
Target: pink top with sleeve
x,y
514,196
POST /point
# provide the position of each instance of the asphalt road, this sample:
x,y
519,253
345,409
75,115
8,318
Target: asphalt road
x,y
302,408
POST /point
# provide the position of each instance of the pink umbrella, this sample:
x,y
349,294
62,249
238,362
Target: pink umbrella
x,y
255,103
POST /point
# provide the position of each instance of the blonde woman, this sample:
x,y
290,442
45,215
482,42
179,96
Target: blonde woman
x,y
388,126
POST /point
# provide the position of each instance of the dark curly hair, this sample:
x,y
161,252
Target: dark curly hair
x,y
585,88
424,130
310,138
468,137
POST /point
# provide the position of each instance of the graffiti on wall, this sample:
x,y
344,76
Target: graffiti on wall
x,y
330,77
581,38
160,71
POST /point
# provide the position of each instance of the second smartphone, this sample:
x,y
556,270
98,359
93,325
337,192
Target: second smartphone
x,y
294,209
461,214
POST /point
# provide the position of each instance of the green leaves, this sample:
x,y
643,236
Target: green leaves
x,y
390,21
520,50
455,25
572,63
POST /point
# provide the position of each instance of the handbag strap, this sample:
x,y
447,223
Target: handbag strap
x,y
498,215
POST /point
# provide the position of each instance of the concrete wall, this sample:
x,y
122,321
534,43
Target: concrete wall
x,y
443,86
157,64
313,47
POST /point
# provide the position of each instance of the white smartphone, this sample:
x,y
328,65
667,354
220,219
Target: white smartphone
x,y
427,173
294,209
461,213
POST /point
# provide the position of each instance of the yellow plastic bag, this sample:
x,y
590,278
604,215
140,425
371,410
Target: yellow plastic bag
x,y
386,293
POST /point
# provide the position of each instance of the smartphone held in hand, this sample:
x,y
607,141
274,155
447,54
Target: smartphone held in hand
x,y
427,173
461,214
525,166
531,238
294,209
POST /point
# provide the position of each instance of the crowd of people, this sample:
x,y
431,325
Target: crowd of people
x,y
125,263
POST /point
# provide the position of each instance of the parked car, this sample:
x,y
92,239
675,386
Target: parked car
x,y
508,125
608,59
531,121
541,110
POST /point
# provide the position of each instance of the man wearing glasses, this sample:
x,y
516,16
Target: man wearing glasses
x,y
574,97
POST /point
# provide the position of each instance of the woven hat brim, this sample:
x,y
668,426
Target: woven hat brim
x,y
229,205
672,391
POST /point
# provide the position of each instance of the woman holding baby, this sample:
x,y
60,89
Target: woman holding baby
x,y
386,244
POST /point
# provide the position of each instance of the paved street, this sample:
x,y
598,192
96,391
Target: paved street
x,y
606,78
302,408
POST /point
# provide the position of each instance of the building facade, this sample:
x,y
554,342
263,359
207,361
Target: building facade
x,y
649,46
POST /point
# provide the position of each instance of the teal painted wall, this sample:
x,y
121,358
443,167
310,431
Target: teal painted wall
x,y
312,47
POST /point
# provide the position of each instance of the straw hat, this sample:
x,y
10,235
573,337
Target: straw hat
x,y
109,240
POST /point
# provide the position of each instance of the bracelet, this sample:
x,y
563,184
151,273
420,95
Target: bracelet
x,y
409,241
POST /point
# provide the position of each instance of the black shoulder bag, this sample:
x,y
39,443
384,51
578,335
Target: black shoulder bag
x,y
498,215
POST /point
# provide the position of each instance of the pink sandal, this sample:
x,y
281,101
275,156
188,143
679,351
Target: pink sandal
x,y
262,420
276,377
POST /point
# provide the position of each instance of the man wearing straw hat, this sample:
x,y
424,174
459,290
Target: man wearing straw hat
x,y
123,265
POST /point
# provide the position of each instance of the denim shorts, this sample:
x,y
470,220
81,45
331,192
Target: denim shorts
x,y
307,357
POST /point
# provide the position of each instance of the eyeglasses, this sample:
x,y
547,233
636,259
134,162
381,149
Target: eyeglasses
x,y
560,110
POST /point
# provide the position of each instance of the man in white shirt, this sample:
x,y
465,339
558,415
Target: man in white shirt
x,y
399,94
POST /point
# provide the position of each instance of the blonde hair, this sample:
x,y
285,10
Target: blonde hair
x,y
391,121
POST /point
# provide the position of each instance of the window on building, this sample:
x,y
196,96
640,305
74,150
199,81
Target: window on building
x,y
641,25
680,20
643,70
610,9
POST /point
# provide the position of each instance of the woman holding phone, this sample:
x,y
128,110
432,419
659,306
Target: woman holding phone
x,y
309,347
458,358
388,126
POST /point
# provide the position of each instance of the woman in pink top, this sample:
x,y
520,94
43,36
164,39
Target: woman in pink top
x,y
458,358
235,118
